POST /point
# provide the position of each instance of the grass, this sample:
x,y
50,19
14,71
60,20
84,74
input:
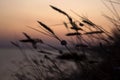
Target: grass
x,y
89,62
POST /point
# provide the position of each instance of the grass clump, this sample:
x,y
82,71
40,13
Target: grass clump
x,y
78,59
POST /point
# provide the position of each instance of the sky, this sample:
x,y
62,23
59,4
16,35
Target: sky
x,y
16,15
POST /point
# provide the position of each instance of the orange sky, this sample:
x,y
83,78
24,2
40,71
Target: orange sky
x,y
15,15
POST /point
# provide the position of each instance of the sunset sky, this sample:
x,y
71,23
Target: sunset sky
x,y
15,15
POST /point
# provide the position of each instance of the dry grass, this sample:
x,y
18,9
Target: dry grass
x,y
100,62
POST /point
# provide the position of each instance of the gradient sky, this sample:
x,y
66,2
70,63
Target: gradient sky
x,y
15,15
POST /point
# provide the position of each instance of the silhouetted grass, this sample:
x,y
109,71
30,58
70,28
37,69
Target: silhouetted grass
x,y
88,61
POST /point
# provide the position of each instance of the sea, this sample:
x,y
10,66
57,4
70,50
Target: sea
x,y
7,58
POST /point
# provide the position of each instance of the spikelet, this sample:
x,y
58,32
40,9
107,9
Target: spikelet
x,y
87,21
58,10
73,34
46,27
95,32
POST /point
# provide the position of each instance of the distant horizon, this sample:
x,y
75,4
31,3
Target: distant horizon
x,y
16,15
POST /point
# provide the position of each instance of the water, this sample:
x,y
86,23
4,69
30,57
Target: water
x,y
7,56
10,56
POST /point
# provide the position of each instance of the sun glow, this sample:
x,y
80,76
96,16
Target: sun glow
x,y
16,15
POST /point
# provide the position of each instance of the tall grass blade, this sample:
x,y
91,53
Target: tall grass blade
x,y
26,35
94,32
115,2
46,27
15,44
70,20
81,24
45,52
65,25
109,8
76,28
40,31
88,22
72,57
73,34
58,10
